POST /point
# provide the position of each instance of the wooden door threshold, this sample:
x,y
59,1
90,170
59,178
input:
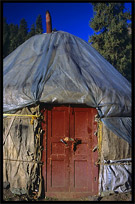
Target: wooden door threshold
x,y
64,195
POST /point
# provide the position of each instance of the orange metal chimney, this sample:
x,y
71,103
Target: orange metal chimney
x,y
48,22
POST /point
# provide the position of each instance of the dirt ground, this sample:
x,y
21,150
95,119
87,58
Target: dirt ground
x,y
8,196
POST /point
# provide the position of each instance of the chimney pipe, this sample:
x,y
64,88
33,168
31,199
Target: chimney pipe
x,y
48,22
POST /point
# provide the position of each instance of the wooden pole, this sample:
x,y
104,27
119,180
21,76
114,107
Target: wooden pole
x,y
48,22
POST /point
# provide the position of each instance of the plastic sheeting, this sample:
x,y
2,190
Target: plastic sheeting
x,y
62,68
115,176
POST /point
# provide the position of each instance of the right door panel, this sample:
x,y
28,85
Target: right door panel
x,y
83,126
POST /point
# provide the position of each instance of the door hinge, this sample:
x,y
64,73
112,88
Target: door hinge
x,y
95,133
95,148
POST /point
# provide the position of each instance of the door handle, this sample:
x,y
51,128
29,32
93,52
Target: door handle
x,y
74,142
68,139
63,141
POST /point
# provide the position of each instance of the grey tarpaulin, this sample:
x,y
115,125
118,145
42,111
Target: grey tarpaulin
x,y
62,68
116,176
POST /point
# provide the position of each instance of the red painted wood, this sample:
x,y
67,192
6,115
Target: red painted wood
x,y
69,171
57,159
82,177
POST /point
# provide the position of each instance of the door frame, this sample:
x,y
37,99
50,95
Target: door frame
x,y
44,152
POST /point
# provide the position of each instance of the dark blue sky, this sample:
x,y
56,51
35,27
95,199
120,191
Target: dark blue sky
x,y
70,17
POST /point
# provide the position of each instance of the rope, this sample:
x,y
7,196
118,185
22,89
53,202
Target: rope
x,y
35,116
40,162
99,136
129,163
24,161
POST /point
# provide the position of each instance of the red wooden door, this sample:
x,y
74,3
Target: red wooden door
x,y
71,169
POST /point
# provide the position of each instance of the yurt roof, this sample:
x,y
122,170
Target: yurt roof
x,y
61,68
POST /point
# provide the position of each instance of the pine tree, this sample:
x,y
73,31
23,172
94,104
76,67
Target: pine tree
x,y
13,31
6,41
39,27
32,31
22,32
111,37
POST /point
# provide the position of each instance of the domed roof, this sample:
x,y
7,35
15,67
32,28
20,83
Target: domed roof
x,y
61,68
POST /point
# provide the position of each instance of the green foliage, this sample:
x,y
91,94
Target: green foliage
x,y
22,32
111,37
32,31
6,40
39,28
13,36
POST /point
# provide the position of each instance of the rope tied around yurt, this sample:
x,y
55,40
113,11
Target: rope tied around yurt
x,y
99,136
21,115
124,163
98,133
33,117
18,160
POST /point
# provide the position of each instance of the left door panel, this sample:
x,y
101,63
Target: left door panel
x,y
57,160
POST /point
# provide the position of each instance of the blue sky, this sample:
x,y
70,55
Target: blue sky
x,y
69,17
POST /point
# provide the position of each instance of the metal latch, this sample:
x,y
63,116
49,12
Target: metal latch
x,y
95,133
63,141
95,148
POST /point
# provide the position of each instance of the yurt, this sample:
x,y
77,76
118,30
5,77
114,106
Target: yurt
x,y
66,120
